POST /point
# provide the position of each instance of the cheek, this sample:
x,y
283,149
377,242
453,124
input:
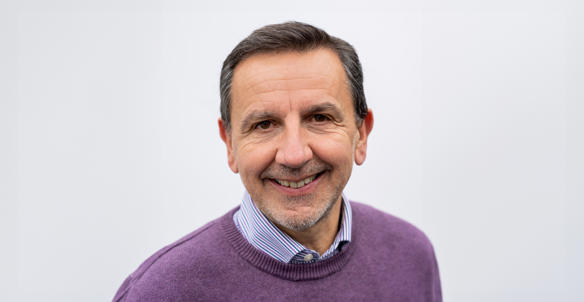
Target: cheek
x,y
336,150
254,158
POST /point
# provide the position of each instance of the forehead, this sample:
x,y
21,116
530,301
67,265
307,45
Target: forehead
x,y
288,79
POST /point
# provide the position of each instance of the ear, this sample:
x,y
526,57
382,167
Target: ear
x,y
226,138
364,130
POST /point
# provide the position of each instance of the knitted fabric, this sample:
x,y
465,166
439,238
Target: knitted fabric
x,y
387,259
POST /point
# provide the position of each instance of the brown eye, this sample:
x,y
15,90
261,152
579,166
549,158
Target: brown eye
x,y
264,125
320,118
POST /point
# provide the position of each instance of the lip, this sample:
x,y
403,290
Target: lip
x,y
307,189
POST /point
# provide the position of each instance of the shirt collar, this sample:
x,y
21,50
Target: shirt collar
x,y
266,237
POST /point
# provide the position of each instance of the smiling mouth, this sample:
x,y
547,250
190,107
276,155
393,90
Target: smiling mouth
x,y
297,184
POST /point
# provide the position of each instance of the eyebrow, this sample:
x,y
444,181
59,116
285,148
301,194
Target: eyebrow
x,y
324,107
255,116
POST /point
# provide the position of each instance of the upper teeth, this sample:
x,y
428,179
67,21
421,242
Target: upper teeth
x,y
296,185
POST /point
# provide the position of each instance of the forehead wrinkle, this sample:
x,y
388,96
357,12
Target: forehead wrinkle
x,y
274,101
280,90
286,83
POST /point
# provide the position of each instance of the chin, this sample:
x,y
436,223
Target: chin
x,y
296,221
298,224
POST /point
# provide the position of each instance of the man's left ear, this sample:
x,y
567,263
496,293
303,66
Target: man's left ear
x,y
226,138
364,130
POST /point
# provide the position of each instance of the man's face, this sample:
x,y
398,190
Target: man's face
x,y
294,136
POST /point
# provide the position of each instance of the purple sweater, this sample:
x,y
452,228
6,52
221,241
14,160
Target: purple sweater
x,y
387,259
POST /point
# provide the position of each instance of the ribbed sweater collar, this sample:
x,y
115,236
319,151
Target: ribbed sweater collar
x,y
295,272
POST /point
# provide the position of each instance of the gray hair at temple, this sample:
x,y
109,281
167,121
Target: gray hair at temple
x,y
292,36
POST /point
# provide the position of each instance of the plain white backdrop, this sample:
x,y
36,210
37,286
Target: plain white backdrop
x,y
109,147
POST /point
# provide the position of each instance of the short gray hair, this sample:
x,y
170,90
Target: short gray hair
x,y
296,36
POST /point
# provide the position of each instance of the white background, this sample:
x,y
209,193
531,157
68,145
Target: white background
x,y
109,148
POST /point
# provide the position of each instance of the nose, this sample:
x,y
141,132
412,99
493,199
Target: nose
x,y
293,150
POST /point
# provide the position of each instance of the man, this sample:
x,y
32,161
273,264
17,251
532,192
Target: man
x,y
293,119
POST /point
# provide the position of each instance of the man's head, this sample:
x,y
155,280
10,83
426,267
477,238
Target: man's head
x,y
294,119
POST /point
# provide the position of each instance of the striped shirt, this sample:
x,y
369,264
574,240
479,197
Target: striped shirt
x,y
266,237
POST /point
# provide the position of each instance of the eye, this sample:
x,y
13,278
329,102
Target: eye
x,y
263,125
320,118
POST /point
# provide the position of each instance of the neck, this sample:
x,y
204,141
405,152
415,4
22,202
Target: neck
x,y
320,236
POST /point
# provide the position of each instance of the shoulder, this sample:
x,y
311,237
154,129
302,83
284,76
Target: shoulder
x,y
383,229
175,263
394,245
